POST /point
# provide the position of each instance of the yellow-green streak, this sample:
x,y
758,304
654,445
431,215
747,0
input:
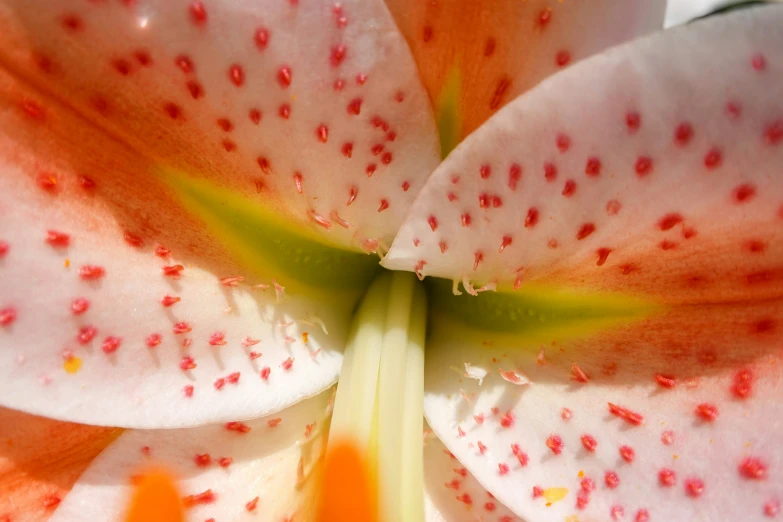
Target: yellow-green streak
x,y
269,244
537,312
448,112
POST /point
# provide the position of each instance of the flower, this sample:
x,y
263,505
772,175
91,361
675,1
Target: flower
x,y
188,187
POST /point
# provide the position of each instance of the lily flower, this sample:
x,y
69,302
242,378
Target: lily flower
x,y
192,194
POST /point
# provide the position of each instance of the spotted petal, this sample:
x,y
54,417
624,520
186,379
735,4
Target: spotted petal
x,y
311,108
452,493
118,307
647,169
168,251
670,415
40,459
476,56
263,469
635,208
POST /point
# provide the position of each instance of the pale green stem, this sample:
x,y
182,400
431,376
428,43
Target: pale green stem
x,y
413,425
379,397
390,395
354,404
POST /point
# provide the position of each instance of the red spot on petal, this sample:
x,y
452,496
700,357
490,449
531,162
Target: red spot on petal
x,y
57,239
759,62
111,344
611,479
261,38
251,506
569,189
173,110
196,91
626,414
633,120
713,159
585,230
500,90
153,340
643,166
773,134
79,305
694,487
51,501
355,106
173,271
563,142
203,460
589,443
514,175
187,363
86,334
743,384
205,497
627,453
753,468
532,218
593,167
603,255
562,58
91,272
555,443
284,76
668,221
744,193
184,63
667,477
238,427
337,55
706,411
507,420
665,380
198,13
322,132
550,172
7,316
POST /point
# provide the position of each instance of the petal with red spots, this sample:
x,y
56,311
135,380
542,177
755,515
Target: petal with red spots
x,y
672,413
40,460
475,57
452,493
119,308
263,469
290,104
650,169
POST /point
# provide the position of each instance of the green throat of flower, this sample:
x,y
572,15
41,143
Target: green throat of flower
x,y
379,404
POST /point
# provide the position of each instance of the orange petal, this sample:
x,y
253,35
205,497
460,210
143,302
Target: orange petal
x,y
347,492
40,459
474,57
155,499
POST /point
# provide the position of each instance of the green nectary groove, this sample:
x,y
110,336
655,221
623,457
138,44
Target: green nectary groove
x,y
267,243
448,113
535,309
